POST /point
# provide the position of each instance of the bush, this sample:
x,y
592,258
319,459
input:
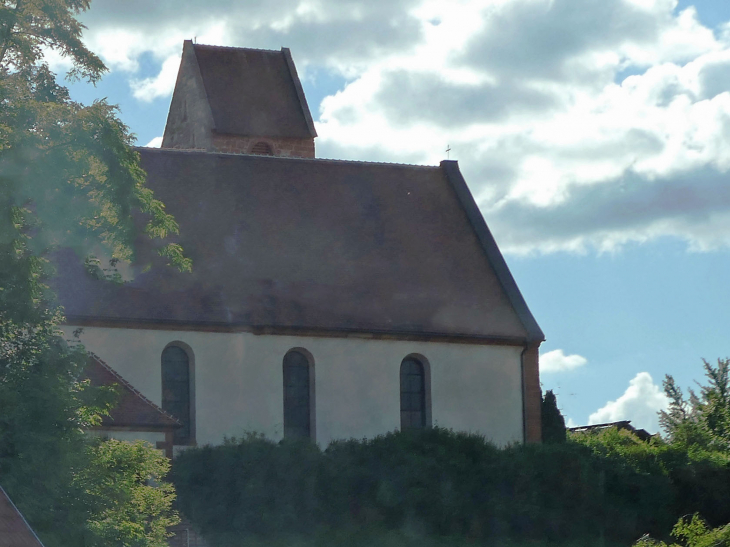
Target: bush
x,y
438,483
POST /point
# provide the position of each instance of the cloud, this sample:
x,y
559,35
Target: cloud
x,y
161,85
154,143
557,361
578,127
640,403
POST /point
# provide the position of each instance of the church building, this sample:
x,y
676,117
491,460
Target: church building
x,y
328,300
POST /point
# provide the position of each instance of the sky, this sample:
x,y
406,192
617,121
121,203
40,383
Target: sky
x,y
592,133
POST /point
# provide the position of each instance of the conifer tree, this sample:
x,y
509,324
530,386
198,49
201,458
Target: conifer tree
x,y
553,423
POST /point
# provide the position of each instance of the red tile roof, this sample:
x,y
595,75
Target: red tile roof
x,y
14,530
133,410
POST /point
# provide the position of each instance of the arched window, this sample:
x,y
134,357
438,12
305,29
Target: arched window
x,y
262,149
176,390
412,394
297,404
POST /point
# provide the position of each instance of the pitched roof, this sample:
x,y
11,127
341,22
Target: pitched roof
x,y
14,530
133,410
314,244
254,92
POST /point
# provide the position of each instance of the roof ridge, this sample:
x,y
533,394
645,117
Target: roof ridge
x,y
238,48
290,158
131,388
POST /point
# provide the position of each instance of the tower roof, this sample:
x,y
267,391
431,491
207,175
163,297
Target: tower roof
x,y
253,91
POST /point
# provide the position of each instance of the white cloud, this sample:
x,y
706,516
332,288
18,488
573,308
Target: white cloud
x,y
557,361
640,403
577,126
161,85
154,143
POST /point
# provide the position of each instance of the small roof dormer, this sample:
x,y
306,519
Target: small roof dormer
x,y
239,100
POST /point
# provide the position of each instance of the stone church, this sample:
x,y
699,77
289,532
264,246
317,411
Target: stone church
x,y
328,299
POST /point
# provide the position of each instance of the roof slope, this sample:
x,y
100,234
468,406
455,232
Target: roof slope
x,y
254,92
314,244
14,530
133,410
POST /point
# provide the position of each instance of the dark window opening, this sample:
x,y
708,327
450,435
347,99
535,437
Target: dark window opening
x,y
297,420
262,149
176,389
412,394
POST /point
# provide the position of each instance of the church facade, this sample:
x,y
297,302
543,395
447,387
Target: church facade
x,y
328,299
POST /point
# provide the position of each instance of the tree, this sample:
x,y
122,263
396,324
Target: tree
x,y
68,177
692,532
700,420
553,423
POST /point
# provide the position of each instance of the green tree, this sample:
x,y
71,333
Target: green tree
x,y
68,177
131,505
553,423
700,420
692,532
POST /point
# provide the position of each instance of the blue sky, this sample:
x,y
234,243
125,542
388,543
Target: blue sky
x,y
593,134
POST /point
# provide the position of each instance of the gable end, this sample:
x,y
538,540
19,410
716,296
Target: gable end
x,y
300,91
494,255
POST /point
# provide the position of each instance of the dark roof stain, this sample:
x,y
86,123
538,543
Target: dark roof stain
x,y
313,244
133,410
14,530
254,92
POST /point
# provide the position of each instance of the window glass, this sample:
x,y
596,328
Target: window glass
x,y
296,395
176,389
412,394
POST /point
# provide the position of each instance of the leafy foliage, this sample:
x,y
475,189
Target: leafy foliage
x,y
129,503
700,421
692,532
68,177
441,484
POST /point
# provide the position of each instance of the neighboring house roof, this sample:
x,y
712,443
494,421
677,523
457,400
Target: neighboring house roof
x,y
14,529
254,92
314,244
642,434
133,410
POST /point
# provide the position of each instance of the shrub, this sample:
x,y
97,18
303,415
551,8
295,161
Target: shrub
x,y
438,483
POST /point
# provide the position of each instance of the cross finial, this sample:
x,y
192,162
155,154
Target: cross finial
x,y
448,149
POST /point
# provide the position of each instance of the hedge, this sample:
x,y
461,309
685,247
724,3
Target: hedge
x,y
438,483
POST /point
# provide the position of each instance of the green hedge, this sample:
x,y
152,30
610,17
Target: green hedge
x,y
437,483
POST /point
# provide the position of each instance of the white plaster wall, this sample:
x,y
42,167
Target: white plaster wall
x,y
238,382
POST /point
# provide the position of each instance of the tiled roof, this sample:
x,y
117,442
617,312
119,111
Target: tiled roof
x,y
254,92
313,244
133,409
14,530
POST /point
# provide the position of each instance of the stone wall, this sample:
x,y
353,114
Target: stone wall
x,y
282,147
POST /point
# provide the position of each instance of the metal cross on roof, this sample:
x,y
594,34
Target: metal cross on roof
x,y
448,149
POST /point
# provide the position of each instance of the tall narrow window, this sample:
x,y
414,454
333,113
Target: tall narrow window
x,y
176,389
297,416
412,394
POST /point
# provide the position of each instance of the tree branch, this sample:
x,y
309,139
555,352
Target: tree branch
x,y
8,31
